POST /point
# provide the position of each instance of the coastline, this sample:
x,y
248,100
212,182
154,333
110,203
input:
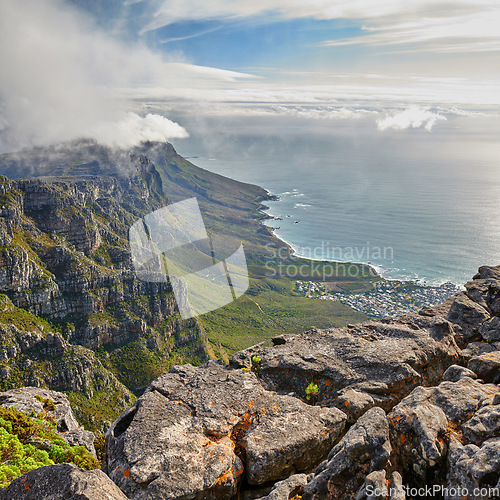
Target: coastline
x,y
378,270
295,252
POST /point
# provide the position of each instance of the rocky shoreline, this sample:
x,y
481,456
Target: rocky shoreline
x,y
399,405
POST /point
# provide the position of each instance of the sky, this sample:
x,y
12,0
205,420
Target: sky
x,y
123,71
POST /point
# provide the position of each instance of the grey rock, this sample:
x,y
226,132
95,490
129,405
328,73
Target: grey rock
x,y
458,469
55,482
420,423
80,437
474,349
468,315
197,431
374,487
490,330
487,366
364,449
488,272
471,467
483,425
396,487
288,488
354,403
378,487
383,360
455,373
31,400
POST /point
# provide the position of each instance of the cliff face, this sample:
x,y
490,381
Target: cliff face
x,y
64,257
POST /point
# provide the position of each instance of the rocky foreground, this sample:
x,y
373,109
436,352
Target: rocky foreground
x,y
401,404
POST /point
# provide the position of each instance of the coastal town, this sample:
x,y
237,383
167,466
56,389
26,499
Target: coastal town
x,y
387,298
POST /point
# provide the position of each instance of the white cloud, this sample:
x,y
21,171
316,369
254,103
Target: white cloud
x,y
454,26
172,11
413,117
133,129
470,32
60,76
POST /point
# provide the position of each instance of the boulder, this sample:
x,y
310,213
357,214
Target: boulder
x,y
382,360
488,272
421,424
377,486
80,437
288,488
364,449
197,431
455,373
487,366
54,482
490,330
467,315
484,425
474,349
33,399
473,468
353,403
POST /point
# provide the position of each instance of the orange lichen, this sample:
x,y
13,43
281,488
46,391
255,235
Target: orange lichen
x,y
224,477
126,473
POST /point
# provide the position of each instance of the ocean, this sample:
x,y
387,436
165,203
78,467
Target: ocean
x,y
414,206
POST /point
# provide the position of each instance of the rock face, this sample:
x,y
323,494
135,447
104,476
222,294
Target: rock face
x,y
421,425
212,428
33,399
33,356
373,363
64,255
68,254
288,488
473,468
54,482
363,450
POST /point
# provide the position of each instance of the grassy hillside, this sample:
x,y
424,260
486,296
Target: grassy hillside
x,y
270,308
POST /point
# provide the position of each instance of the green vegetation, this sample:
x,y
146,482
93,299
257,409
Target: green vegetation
x,y
136,365
20,318
270,308
256,363
312,391
48,404
22,438
98,407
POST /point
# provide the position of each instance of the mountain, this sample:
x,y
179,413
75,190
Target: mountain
x,y
75,316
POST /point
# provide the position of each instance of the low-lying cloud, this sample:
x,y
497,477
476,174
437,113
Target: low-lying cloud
x,y
413,117
134,129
